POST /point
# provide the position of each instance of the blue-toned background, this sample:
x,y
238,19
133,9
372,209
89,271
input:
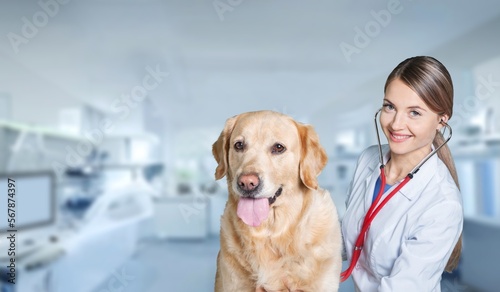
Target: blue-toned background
x,y
108,110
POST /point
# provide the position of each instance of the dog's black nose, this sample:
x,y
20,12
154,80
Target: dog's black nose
x,y
248,182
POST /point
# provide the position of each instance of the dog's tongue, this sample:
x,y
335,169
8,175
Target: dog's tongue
x,y
253,211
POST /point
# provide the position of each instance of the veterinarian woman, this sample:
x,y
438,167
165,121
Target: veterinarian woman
x,y
416,235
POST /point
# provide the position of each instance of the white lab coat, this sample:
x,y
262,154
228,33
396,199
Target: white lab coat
x,y
412,237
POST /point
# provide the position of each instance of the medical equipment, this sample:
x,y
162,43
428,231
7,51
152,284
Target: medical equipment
x,y
32,210
376,207
34,193
105,239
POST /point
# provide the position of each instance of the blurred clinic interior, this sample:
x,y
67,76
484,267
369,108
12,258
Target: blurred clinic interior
x,y
108,111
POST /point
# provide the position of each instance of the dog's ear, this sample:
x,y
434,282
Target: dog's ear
x,y
313,157
220,148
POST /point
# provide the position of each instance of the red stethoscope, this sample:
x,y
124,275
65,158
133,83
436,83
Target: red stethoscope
x,y
375,206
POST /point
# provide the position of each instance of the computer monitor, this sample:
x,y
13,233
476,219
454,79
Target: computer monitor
x,y
34,197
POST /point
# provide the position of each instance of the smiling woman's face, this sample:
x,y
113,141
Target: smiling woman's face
x,y
408,123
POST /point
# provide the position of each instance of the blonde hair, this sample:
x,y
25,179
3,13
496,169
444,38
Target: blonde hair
x,y
432,82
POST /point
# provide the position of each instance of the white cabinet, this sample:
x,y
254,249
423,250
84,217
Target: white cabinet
x,y
181,217
217,206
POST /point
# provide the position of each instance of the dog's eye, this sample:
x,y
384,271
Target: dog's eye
x,y
238,146
278,148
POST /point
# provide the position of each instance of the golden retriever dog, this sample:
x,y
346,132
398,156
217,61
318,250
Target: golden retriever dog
x,y
279,230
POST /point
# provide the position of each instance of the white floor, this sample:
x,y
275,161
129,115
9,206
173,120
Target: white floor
x,y
168,266
186,266
181,266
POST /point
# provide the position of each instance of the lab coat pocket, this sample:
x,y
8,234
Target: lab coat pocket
x,y
385,248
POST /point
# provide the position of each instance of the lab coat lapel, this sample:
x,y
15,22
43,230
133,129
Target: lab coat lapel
x,y
404,198
420,180
410,191
371,179
370,182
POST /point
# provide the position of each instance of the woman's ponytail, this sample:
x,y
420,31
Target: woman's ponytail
x,y
445,155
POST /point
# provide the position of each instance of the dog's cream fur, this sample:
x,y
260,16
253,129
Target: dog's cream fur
x,y
298,247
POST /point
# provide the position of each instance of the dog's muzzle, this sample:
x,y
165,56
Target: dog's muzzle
x,y
277,194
